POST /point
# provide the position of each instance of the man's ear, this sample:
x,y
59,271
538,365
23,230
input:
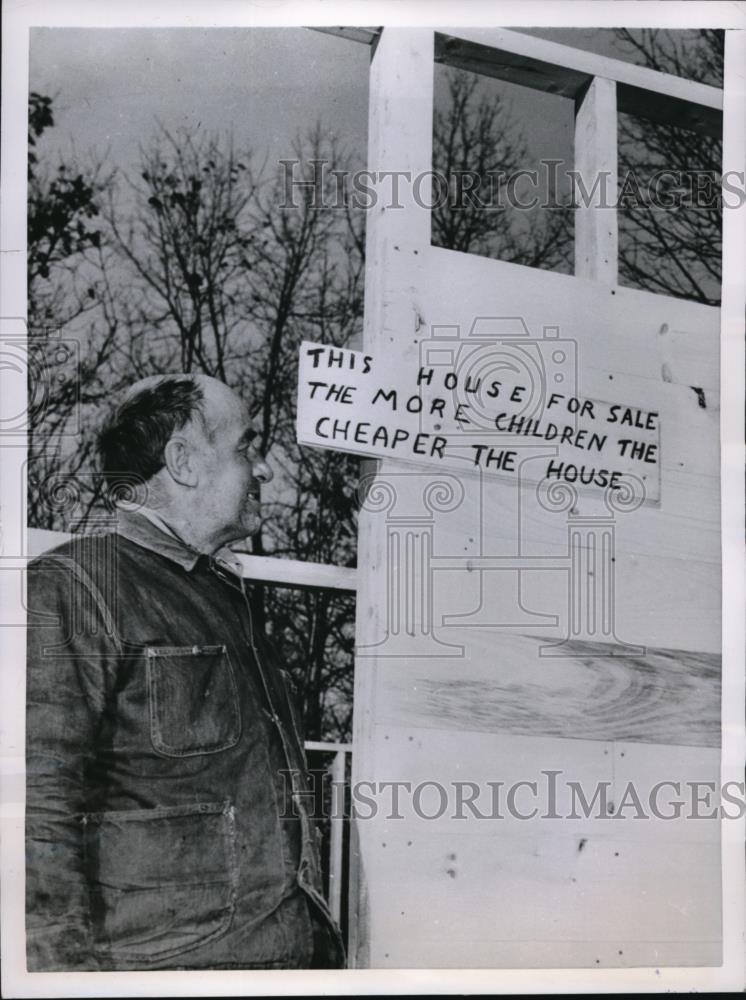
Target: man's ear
x,y
179,460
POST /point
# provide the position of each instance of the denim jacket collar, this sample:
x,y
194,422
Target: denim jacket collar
x,y
139,529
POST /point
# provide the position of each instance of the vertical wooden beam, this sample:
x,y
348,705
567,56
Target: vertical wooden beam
x,y
400,153
400,125
596,227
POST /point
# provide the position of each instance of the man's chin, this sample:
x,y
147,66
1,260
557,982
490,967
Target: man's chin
x,y
249,527
246,526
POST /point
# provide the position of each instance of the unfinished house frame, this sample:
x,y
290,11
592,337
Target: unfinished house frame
x,y
503,635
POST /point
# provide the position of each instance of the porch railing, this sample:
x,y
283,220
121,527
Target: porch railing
x,y
338,774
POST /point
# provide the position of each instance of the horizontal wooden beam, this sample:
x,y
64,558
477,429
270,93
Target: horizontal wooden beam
x,y
40,540
568,72
354,34
294,573
288,572
669,110
328,747
513,67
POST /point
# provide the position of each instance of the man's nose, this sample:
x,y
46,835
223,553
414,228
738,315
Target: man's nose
x,y
261,471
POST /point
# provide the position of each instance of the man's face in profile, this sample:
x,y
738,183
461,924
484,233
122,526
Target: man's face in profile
x,y
231,471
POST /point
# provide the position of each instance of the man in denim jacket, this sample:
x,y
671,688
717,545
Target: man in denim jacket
x,y
166,822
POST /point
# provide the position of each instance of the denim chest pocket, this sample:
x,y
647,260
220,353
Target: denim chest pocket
x,y
193,700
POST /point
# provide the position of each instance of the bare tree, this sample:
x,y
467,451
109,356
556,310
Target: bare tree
x,y
68,351
695,55
61,225
184,232
671,243
477,145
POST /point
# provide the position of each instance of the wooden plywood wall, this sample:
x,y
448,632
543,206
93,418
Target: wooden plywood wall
x,y
471,670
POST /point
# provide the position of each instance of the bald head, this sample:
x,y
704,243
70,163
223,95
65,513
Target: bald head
x,y
221,406
132,443
184,444
152,382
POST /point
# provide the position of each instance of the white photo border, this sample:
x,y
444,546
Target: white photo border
x,y
18,18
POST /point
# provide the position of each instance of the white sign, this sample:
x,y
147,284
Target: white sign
x,y
470,417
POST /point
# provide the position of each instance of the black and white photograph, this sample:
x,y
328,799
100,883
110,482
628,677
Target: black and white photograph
x,y
372,504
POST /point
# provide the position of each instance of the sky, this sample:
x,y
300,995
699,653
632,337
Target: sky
x,y
265,84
